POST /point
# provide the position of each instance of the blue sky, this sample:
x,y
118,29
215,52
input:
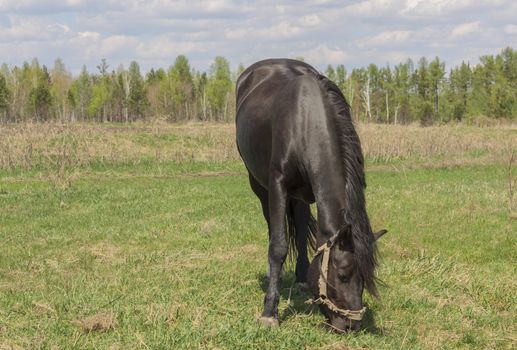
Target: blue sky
x,y
154,32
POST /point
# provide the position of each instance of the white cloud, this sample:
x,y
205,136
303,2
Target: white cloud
x,y
163,46
154,32
323,55
118,43
280,9
235,34
186,8
39,7
37,29
283,30
369,7
466,29
511,29
89,35
427,8
386,38
310,20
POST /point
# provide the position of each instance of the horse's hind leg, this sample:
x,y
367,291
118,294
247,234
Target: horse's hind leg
x,y
262,194
278,246
301,212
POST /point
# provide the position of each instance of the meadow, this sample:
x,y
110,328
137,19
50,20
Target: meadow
x,y
147,236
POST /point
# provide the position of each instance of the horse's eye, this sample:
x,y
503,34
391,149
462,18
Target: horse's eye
x,y
343,278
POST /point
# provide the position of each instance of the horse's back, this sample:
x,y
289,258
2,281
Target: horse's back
x,y
270,73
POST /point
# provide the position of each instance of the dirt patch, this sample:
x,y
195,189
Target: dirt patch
x,y
100,322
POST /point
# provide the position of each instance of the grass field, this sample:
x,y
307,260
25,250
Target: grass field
x,y
148,237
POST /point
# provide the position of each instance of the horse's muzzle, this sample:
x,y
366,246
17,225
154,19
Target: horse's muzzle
x,y
341,325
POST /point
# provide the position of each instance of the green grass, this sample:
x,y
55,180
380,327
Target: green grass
x,y
176,253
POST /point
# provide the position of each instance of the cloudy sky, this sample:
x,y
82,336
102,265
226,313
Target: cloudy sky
x,y
154,32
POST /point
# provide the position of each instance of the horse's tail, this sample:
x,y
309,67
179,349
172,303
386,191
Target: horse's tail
x,y
312,227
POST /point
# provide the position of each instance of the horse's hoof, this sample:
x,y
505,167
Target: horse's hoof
x,y
268,322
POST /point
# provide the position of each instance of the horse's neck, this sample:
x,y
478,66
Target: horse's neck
x,y
330,194
326,172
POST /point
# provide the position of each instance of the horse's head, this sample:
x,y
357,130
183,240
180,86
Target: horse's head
x,y
335,281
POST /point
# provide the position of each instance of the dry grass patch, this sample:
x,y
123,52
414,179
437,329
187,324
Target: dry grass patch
x,y
336,346
207,227
4,345
391,142
100,322
106,253
64,147
163,313
43,308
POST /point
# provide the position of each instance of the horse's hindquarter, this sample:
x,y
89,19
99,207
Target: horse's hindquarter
x,y
254,134
254,144
258,89
282,126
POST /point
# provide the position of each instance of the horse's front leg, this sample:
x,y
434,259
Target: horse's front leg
x,y
277,249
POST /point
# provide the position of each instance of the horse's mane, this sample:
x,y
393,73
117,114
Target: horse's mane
x,y
355,211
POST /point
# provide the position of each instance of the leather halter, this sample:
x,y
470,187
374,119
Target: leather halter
x,y
356,315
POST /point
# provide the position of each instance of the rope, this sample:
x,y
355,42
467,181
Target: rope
x,y
356,315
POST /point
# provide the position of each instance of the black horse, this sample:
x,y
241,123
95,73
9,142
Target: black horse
x,y
296,138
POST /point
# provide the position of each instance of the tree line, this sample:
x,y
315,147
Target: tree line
x,y
422,92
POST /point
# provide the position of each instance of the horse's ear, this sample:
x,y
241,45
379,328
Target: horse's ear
x,y
344,237
379,234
